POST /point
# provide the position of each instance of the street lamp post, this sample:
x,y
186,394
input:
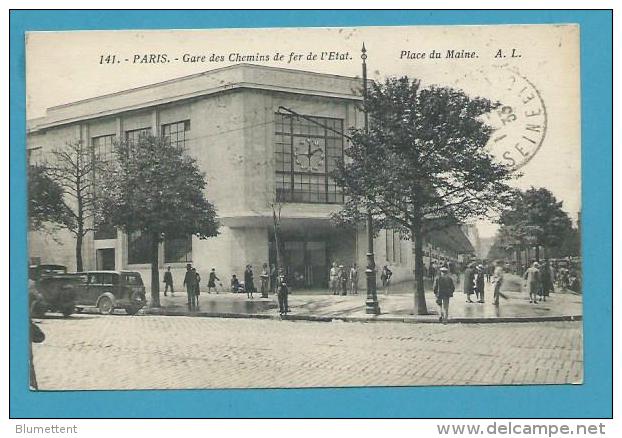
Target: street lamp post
x,y
371,303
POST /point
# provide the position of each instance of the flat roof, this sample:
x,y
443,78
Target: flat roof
x,y
248,76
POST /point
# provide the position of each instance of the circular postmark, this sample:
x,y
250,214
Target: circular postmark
x,y
519,122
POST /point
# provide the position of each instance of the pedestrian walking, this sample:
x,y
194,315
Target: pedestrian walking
x,y
190,284
546,278
479,283
282,292
468,284
265,279
249,285
533,282
354,279
211,281
497,282
333,279
197,286
489,269
343,280
443,290
168,281
385,277
432,271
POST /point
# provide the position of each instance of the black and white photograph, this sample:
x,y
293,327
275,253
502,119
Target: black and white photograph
x,y
304,207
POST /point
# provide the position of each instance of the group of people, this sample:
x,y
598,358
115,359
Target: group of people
x,y
340,279
474,278
474,281
192,283
539,281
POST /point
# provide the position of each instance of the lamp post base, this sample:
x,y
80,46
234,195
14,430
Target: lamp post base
x,y
372,307
371,303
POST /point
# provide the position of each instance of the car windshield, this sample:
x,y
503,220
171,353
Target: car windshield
x,y
133,279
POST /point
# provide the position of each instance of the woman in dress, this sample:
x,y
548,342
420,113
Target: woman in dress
x,y
211,282
479,283
533,282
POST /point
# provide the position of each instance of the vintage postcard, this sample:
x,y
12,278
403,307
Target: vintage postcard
x,y
304,207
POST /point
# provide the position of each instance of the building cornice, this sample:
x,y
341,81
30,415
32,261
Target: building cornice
x,y
244,76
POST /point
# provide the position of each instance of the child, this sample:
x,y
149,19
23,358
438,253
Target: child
x,y
235,284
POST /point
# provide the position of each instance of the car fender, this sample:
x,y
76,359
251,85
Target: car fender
x,y
109,295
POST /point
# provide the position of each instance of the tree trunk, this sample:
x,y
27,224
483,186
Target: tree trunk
x,y
79,265
155,274
420,304
277,244
537,253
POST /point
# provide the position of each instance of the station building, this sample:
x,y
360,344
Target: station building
x,y
254,153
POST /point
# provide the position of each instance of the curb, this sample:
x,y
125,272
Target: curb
x,y
382,318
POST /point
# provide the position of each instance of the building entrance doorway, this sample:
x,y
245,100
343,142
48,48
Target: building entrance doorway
x,y
306,262
104,259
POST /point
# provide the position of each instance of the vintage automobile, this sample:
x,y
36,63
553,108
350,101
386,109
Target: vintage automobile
x,y
36,271
109,290
51,289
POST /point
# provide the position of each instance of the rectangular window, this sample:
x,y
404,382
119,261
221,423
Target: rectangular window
x,y
34,156
105,231
397,247
134,135
176,133
178,249
103,147
306,151
138,248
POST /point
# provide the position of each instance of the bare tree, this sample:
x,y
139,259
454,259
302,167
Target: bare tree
x,y
73,169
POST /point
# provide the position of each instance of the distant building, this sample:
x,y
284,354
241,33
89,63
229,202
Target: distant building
x,y
472,233
230,120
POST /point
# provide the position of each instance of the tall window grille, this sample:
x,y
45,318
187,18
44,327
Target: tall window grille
x,y
138,248
393,242
176,133
178,249
305,154
103,147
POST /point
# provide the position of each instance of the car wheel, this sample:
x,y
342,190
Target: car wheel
x,y
105,306
132,310
67,310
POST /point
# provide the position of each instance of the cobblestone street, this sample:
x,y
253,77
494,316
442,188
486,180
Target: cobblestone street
x,y
142,352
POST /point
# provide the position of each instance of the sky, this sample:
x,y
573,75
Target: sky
x,y
542,61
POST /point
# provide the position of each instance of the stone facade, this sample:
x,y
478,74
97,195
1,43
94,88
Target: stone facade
x,y
230,116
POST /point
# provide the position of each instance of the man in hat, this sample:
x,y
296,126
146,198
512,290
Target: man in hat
x,y
533,282
282,292
469,277
168,281
190,282
443,290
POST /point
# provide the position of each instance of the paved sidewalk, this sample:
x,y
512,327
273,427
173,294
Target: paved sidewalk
x,y
397,305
